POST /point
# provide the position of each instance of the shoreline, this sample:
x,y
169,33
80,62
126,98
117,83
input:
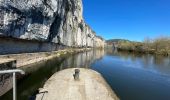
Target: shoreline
x,y
25,59
145,52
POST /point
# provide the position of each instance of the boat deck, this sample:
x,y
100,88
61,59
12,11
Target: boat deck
x,y
90,86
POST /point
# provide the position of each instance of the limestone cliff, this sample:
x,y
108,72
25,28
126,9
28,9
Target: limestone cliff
x,y
56,21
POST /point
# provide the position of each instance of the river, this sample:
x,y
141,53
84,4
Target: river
x,y
132,76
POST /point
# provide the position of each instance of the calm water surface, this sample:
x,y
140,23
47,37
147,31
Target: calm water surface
x,y
131,76
136,76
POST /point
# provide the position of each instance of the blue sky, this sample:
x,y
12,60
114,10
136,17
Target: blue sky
x,y
128,19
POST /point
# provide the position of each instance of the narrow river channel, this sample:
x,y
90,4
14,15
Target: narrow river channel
x,y
131,76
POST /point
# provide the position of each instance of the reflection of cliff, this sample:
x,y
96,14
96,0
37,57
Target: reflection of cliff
x,y
83,59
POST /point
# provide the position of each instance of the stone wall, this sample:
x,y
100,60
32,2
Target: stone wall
x,y
11,46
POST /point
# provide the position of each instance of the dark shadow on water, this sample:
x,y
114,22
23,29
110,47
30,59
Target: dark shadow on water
x,y
34,79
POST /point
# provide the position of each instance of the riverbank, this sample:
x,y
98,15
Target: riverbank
x,y
163,53
25,59
157,46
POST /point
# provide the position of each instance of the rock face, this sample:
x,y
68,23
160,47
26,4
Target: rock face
x,y
57,21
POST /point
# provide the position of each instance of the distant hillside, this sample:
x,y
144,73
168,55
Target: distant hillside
x,y
117,40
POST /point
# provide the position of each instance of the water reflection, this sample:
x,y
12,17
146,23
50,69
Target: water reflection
x,y
156,63
132,76
83,59
136,76
37,75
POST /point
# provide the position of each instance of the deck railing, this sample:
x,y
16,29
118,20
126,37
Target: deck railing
x,y
13,71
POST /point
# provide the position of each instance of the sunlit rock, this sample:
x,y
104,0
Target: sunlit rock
x,y
57,21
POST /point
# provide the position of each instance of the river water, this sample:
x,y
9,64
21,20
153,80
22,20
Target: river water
x,y
132,76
